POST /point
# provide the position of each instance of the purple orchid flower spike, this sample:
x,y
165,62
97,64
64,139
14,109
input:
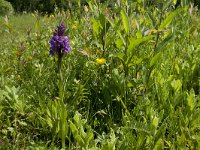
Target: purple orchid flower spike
x,y
59,43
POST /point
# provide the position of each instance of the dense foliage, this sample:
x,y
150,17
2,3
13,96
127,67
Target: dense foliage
x,y
130,81
42,5
48,6
5,8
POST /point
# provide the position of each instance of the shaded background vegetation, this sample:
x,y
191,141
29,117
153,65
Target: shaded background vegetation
x,y
48,6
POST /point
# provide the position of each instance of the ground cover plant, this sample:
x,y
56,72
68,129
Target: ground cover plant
x,y
101,77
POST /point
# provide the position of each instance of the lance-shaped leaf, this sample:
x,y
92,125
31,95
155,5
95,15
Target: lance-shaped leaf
x,y
155,58
95,26
125,21
169,18
135,42
164,43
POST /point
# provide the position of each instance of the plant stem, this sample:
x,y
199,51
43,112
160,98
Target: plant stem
x,y
60,94
60,78
126,70
158,34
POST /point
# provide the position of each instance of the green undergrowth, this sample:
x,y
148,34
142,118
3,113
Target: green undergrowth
x,y
130,81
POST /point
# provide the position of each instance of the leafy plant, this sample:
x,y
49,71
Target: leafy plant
x,y
5,8
131,80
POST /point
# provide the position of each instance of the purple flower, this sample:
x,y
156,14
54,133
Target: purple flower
x,y
60,31
59,43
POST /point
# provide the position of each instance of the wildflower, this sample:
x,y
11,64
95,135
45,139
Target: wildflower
x,y
100,61
86,9
30,58
59,43
74,26
52,17
60,31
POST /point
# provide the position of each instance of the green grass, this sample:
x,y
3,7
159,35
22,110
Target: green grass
x,y
18,25
143,94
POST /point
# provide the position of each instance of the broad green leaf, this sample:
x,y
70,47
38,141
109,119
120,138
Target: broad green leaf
x,y
129,84
160,115
155,122
73,128
102,20
79,139
95,26
176,84
109,40
168,19
37,26
195,122
135,42
191,99
155,58
120,56
138,34
177,68
120,35
119,43
166,41
111,146
77,117
108,146
125,21
159,144
82,132
174,2
134,61
89,137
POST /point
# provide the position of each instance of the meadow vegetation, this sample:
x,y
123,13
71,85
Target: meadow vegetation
x,y
130,81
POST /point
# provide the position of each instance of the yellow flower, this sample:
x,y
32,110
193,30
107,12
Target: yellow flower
x,y
100,61
18,77
86,8
30,58
74,26
52,17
